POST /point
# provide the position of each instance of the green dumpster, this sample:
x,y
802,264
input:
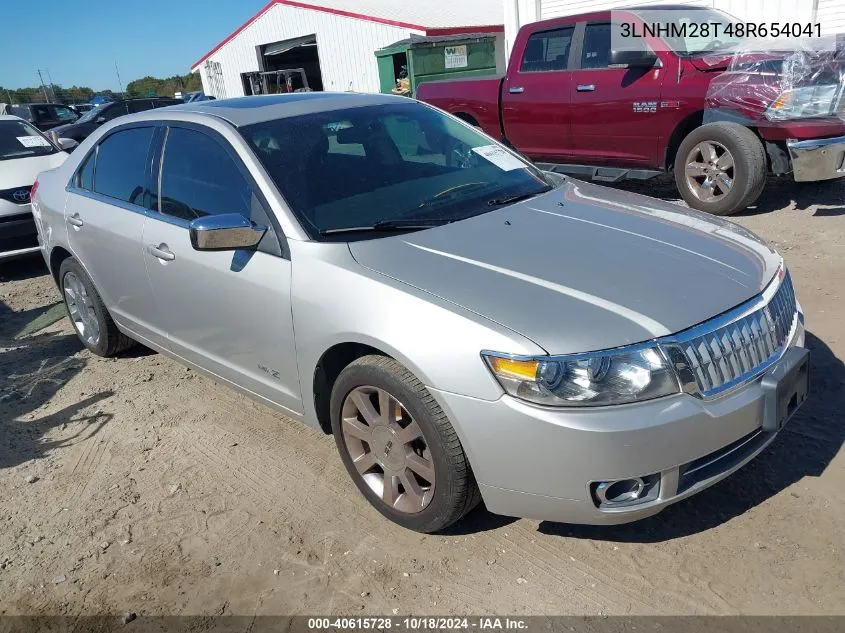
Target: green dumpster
x,y
406,64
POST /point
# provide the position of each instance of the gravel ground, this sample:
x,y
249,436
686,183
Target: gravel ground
x,y
134,485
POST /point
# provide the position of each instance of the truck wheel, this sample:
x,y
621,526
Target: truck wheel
x,y
399,447
720,168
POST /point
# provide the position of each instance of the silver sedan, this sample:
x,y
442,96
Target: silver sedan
x,y
466,326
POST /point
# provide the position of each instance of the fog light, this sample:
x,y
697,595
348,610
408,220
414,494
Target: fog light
x,y
625,492
620,491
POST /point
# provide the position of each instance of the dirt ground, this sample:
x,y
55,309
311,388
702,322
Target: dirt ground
x,y
135,485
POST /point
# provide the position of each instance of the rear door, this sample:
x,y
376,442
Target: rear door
x,y
228,312
536,96
105,213
615,111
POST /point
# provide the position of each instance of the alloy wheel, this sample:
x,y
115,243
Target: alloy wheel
x,y
81,309
709,171
388,449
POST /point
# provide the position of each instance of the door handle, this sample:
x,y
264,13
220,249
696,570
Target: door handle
x,y
161,252
75,220
585,88
516,90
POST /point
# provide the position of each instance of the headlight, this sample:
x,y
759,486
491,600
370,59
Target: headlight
x,y
802,103
594,379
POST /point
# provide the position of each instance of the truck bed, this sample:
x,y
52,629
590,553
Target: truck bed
x,y
475,100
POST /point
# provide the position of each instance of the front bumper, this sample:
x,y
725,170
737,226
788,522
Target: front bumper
x,y
18,234
817,159
544,463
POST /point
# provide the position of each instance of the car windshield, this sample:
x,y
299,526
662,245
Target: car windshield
x,y
388,167
691,41
90,115
19,139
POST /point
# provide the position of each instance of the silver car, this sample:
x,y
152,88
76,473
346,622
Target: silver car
x,y
466,326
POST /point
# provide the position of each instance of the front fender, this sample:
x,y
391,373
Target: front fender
x,y
335,300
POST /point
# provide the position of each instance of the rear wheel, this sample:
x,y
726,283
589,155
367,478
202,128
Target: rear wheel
x,y
89,316
399,447
720,168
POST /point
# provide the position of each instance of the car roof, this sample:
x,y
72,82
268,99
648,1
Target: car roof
x,y
11,117
242,111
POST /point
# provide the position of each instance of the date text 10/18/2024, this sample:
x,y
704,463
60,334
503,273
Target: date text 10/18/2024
x,y
418,623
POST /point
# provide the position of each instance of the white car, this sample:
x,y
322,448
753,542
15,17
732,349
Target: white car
x,y
24,153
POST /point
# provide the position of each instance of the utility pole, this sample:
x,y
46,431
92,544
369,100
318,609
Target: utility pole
x,y
43,89
52,85
117,72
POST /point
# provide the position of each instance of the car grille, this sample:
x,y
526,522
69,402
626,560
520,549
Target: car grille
x,y
729,354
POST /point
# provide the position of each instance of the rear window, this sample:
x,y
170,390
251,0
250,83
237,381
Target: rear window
x,y
19,139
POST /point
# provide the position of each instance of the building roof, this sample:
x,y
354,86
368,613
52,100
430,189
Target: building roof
x,y
432,17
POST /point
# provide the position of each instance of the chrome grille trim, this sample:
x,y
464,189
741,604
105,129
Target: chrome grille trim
x,y
736,347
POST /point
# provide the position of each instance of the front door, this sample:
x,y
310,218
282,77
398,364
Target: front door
x,y
105,214
536,97
616,112
226,311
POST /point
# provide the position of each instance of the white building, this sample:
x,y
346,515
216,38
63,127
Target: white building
x,y
829,13
335,40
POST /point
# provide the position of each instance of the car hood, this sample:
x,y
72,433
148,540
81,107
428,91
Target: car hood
x,y
21,172
582,267
62,129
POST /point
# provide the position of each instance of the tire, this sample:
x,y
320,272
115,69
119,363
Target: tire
x,y
453,492
747,173
83,303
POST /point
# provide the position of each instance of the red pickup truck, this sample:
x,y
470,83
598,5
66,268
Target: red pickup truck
x,y
720,120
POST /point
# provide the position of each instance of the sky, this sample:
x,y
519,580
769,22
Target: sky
x,y
79,41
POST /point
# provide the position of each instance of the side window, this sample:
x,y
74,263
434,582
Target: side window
x,y
42,113
122,165
412,142
193,187
547,51
340,142
113,111
596,51
22,111
85,174
140,106
65,114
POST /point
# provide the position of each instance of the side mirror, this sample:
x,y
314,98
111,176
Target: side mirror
x,y
633,59
100,120
67,144
225,232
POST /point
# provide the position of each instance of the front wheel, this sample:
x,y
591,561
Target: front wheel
x,y
720,168
399,447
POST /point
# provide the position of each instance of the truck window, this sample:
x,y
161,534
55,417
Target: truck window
x,y
548,51
596,51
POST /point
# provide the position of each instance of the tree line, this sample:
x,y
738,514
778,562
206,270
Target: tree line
x,y
144,87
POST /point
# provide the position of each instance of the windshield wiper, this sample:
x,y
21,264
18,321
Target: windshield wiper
x,y
409,224
497,202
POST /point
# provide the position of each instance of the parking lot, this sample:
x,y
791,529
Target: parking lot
x,y
134,485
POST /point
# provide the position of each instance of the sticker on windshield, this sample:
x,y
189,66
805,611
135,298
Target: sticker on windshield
x,y
501,158
33,141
